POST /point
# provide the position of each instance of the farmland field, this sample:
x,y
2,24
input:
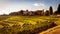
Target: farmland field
x,y
27,24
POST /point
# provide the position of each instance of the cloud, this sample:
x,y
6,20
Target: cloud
x,y
39,4
36,4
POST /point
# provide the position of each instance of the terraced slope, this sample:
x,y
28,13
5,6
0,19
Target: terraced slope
x,y
21,20
26,24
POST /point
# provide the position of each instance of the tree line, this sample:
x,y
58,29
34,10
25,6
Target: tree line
x,y
37,12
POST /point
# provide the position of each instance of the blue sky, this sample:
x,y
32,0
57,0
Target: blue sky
x,y
7,6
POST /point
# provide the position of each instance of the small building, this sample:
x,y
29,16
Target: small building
x,y
25,12
40,12
31,13
47,13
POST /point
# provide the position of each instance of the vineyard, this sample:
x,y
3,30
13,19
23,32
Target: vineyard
x,y
27,24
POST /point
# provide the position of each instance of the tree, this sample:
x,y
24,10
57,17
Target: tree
x,y
21,12
58,9
13,14
55,13
51,10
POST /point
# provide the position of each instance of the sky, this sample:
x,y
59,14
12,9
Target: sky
x,y
8,6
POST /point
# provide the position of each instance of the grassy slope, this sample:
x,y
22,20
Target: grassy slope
x,y
10,20
23,19
27,19
54,30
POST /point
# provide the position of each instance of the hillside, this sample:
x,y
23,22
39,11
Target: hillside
x,y
54,30
27,24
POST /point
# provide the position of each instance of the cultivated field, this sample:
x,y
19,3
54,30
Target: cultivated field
x,y
27,24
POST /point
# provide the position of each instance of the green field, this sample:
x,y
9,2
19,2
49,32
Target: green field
x,y
27,24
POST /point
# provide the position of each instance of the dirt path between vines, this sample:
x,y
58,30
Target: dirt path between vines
x,y
54,30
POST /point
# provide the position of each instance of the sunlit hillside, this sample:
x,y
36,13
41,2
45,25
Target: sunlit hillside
x,y
27,24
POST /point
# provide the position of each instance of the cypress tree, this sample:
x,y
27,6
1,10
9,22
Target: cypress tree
x,y
58,9
51,10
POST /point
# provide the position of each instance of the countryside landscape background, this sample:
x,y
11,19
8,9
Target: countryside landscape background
x,y
31,21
